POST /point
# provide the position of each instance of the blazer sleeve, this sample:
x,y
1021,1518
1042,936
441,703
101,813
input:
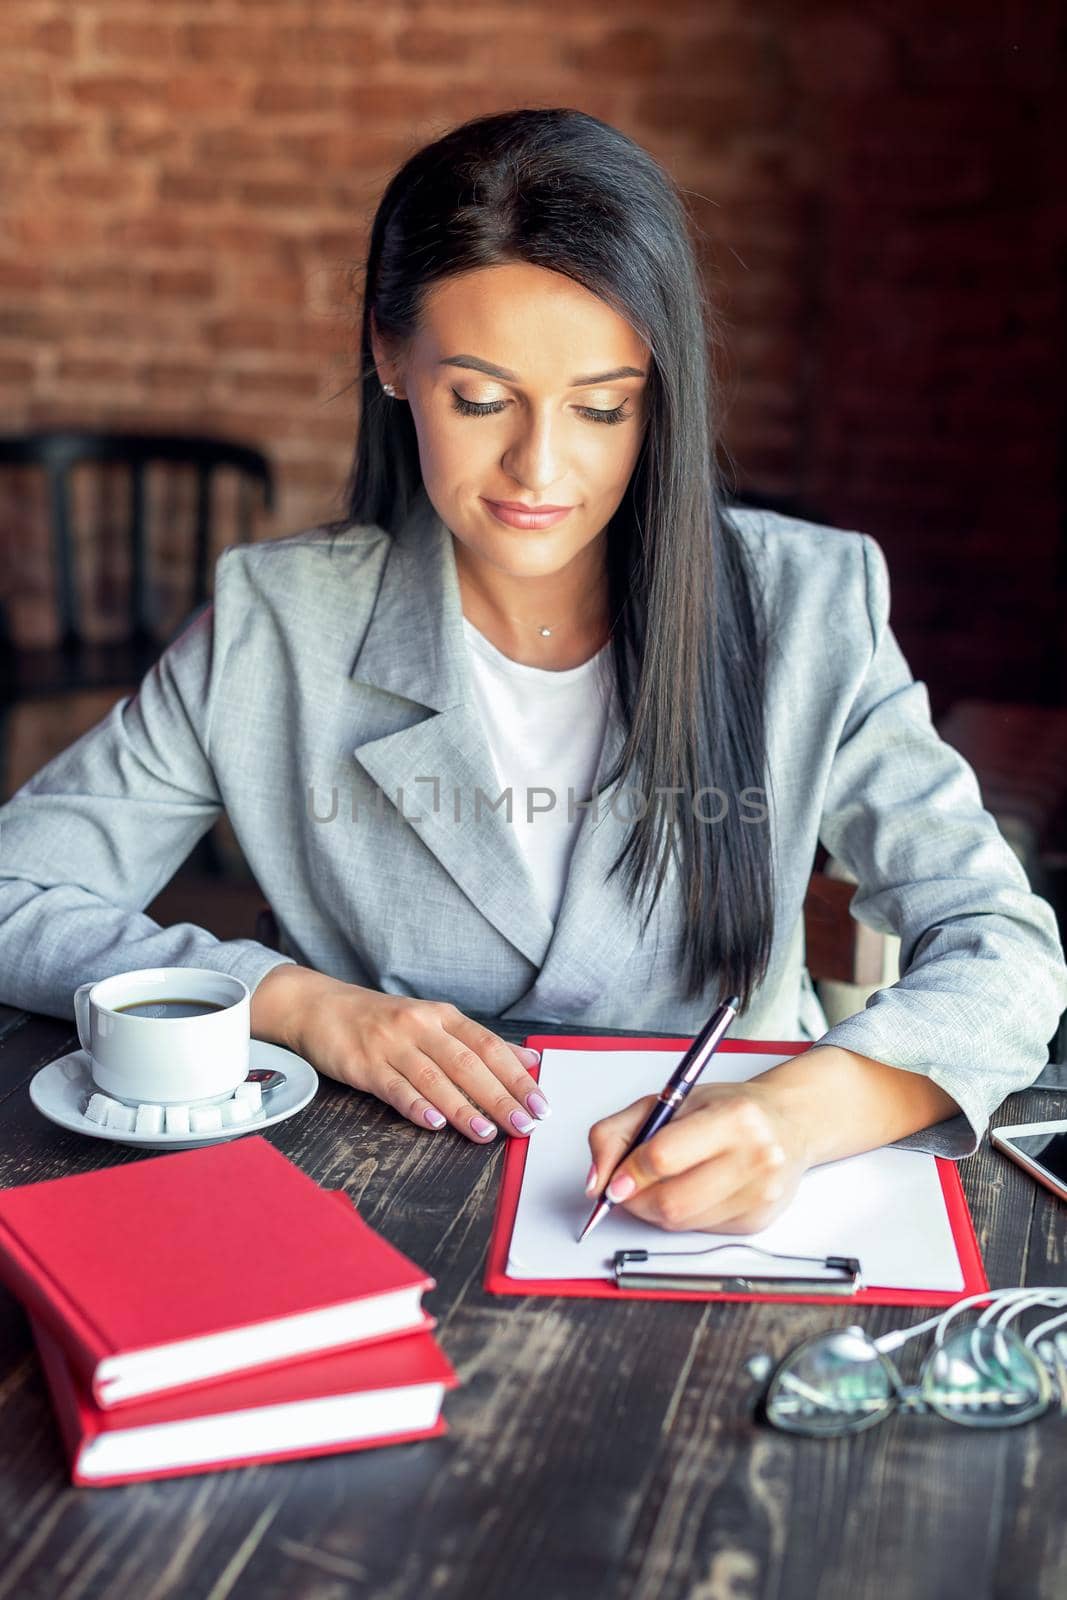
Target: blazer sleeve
x,y
92,838
983,981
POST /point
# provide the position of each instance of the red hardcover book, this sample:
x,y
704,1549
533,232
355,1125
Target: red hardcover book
x,y
373,1394
497,1279
180,1269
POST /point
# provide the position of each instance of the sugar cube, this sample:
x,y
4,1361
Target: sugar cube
x,y
204,1119
149,1119
98,1107
236,1110
119,1116
251,1093
177,1119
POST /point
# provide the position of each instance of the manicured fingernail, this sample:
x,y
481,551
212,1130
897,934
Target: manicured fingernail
x,y
590,1182
532,1056
482,1127
433,1118
621,1188
537,1103
521,1122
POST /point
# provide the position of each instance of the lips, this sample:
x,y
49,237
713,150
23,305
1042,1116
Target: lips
x,y
515,515
520,505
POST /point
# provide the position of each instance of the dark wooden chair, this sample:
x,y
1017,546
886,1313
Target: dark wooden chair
x,y
1019,756
75,662
840,949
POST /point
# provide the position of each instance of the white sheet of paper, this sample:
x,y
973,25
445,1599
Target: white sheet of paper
x,y
885,1207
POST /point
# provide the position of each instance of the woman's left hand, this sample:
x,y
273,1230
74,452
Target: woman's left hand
x,y
728,1161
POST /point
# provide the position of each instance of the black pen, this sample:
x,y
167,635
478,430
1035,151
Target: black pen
x,y
673,1094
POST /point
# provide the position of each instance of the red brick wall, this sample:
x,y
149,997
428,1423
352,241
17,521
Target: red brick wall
x,y
186,186
934,400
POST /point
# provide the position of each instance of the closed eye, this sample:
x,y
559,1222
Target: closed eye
x,y
470,408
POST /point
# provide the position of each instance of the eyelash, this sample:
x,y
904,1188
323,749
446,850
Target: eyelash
x,y
469,408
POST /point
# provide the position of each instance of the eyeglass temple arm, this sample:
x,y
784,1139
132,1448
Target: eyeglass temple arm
x,y
1044,1327
1002,1313
995,1298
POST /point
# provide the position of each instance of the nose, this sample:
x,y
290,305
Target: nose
x,y
534,457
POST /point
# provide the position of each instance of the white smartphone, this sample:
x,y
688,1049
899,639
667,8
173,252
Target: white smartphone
x,y
1040,1147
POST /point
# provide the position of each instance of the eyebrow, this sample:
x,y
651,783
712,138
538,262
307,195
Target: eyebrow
x,y
513,377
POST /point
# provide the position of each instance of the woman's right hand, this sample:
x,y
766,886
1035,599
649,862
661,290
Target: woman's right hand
x,y
423,1057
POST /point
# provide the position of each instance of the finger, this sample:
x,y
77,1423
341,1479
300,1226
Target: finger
x,y
711,1194
688,1140
398,1092
413,1079
610,1138
474,1079
507,1063
704,1132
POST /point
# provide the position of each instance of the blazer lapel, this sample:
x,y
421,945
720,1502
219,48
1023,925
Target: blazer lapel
x,y
414,649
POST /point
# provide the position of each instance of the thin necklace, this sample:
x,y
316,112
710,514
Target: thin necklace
x,y
546,633
544,630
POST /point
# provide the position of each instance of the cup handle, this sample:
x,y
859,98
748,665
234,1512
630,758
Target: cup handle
x,y
81,1015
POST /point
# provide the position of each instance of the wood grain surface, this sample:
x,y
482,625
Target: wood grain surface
x,y
594,1450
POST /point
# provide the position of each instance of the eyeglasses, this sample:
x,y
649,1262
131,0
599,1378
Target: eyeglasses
x,y
981,1376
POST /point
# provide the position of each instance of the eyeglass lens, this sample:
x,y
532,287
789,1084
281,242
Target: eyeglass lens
x,y
985,1377
836,1383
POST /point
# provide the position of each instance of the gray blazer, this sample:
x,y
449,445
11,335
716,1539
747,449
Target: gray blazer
x,y
323,700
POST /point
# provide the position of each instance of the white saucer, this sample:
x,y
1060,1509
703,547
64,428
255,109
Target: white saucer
x,y
61,1090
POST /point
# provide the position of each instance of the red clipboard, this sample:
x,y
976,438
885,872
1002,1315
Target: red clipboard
x,y
497,1281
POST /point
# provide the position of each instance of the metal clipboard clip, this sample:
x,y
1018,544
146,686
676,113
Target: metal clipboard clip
x,y
848,1280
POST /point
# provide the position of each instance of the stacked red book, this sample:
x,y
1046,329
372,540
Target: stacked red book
x,y
216,1308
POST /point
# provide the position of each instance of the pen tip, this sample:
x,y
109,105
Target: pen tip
x,y
734,1001
599,1211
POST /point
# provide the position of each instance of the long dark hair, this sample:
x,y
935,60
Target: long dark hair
x,y
560,189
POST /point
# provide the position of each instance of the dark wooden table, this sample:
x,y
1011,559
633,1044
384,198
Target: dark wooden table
x,y
594,1450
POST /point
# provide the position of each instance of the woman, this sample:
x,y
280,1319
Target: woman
x,y
534,337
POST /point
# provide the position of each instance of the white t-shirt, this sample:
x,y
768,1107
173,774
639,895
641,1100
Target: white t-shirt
x,y
545,730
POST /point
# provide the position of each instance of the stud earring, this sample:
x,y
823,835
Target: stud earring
x,y
390,390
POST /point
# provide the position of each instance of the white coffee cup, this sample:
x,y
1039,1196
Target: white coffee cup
x,y
167,1060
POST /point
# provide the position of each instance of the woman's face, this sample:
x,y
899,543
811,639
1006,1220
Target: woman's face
x,y
547,436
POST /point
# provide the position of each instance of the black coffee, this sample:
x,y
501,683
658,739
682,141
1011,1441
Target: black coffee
x,y
169,1008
